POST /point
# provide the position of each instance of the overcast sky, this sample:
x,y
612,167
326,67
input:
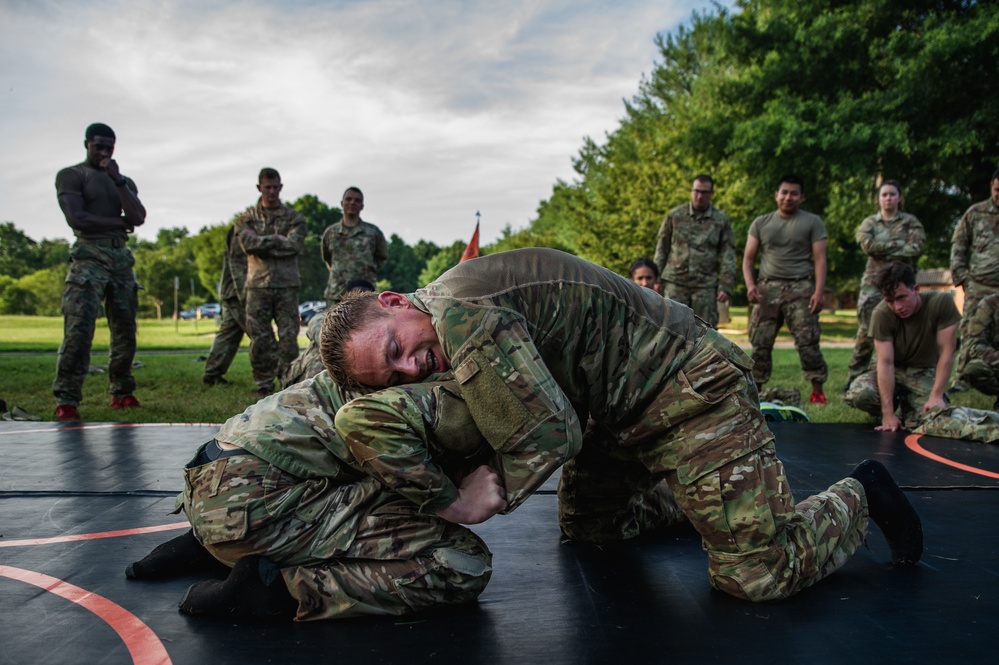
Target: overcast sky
x,y
435,108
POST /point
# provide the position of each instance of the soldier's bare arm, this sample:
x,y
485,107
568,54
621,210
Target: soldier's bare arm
x,y
748,266
819,259
946,342
78,218
134,211
885,351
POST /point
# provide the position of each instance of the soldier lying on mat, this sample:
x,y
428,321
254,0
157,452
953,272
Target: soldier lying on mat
x,y
316,526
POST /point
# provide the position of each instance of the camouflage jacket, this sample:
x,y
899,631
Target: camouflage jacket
x,y
233,270
295,430
352,253
974,252
983,330
272,240
540,340
884,241
697,249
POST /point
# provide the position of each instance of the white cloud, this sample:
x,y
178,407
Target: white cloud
x,y
436,109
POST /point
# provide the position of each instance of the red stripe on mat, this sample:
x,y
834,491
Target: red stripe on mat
x,y
94,536
912,443
141,642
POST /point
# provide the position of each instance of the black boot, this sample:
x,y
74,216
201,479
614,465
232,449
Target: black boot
x,y
183,555
254,588
891,511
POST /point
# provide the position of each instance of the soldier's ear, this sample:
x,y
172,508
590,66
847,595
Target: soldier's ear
x,y
393,299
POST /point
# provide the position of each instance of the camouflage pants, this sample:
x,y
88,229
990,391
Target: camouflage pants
x,y
760,545
704,301
973,294
97,274
863,347
269,357
309,362
344,550
912,389
225,346
786,301
981,375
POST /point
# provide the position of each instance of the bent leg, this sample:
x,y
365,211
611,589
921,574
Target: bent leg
x,y
760,545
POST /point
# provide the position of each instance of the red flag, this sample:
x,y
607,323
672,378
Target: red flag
x,y
472,250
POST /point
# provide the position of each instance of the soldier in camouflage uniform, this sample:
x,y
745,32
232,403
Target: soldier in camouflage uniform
x,y
891,235
695,253
102,207
349,528
792,248
914,338
974,260
981,371
541,342
272,235
352,248
233,318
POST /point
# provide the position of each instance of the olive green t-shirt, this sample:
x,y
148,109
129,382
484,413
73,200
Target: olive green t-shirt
x,y
786,244
100,196
915,338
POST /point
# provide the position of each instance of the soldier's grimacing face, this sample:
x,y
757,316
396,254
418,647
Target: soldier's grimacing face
x,y
400,347
789,198
700,194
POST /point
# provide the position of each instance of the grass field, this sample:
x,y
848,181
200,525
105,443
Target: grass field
x,y
171,353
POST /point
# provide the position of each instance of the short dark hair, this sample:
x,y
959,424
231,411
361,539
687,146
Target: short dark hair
x,y
352,189
353,313
98,129
267,173
359,285
791,179
643,263
995,176
892,275
704,177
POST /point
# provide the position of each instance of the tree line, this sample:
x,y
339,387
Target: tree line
x,y
845,93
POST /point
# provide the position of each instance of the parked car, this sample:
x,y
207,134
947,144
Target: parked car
x,y
210,310
188,314
309,309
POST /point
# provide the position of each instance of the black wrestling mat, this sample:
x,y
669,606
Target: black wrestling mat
x,y
80,502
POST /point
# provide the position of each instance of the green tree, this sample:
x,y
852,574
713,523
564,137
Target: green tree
x,y
441,262
405,263
158,264
208,248
314,273
19,254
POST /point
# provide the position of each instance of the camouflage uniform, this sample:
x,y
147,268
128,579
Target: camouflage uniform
x,y
100,271
915,364
272,282
786,283
981,370
961,422
232,324
345,543
536,337
351,253
884,241
974,262
695,254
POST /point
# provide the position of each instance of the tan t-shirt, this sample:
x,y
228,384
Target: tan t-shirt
x,y
786,244
915,338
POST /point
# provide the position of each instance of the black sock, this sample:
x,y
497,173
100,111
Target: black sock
x,y
254,588
891,511
183,555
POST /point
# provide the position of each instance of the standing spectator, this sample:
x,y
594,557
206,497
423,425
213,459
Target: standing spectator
x,y
914,337
352,248
233,317
272,235
696,253
890,235
974,262
102,207
792,248
645,273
